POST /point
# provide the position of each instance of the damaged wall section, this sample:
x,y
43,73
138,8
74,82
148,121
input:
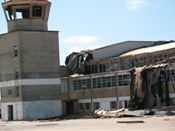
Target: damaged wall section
x,y
149,85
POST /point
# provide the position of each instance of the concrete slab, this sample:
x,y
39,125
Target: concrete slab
x,y
153,123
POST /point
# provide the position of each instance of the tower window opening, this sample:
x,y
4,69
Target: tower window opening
x,y
17,91
37,11
22,13
15,51
9,92
16,74
17,12
9,13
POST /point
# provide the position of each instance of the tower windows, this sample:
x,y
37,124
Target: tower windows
x,y
9,92
15,51
16,74
25,11
37,11
22,13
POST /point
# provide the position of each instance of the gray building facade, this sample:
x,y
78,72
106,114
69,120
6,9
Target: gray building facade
x,y
29,63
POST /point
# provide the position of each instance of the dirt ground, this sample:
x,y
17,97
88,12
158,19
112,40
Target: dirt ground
x,y
147,123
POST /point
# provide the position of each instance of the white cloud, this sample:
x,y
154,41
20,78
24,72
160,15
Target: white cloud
x,y
135,4
79,48
75,49
80,39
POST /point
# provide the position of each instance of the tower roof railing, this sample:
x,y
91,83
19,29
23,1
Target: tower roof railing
x,y
16,2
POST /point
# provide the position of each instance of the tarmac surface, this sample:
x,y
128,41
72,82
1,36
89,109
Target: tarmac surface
x,y
146,123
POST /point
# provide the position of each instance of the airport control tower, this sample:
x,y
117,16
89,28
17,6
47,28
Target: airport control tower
x,y
29,63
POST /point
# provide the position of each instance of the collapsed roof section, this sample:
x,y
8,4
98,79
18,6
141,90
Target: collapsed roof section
x,y
126,58
76,62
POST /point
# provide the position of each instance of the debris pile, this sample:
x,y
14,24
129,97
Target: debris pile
x,y
136,113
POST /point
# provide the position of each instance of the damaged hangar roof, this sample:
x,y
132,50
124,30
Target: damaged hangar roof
x,y
150,49
115,50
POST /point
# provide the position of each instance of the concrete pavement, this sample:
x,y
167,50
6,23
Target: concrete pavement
x,y
151,123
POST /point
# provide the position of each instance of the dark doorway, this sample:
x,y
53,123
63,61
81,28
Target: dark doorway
x,y
69,107
10,112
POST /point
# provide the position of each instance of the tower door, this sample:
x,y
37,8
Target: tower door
x,y
10,112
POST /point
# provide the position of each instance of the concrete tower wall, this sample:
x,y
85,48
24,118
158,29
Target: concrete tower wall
x,y
29,62
30,81
26,24
8,63
39,54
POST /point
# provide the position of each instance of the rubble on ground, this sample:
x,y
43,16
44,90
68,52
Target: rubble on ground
x,y
136,113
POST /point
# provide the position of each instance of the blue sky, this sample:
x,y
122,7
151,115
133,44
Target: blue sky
x,y
88,24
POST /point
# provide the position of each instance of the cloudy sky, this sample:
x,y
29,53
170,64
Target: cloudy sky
x,y
89,24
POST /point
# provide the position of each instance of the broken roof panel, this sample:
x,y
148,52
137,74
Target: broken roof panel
x,y
150,49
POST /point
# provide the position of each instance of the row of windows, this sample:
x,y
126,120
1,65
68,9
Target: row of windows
x,y
24,12
96,106
86,106
101,82
104,67
110,81
82,84
127,63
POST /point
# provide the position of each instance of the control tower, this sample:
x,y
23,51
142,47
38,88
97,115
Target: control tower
x,y
29,63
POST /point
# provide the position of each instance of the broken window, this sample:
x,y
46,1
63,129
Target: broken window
x,y
17,12
93,69
22,12
15,51
118,65
104,67
83,84
125,64
9,13
37,11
